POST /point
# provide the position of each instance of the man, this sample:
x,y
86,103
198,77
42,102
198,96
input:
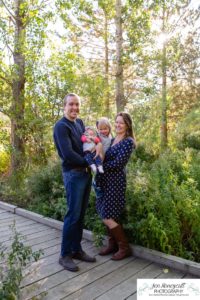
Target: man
x,y
77,181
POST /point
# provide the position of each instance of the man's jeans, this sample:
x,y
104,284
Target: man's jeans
x,y
77,186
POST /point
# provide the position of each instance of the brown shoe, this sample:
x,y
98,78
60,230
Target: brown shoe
x,y
110,248
124,248
68,263
83,256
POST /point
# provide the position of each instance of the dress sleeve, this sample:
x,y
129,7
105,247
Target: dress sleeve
x,y
122,156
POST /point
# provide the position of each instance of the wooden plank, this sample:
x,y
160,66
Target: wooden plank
x,y
48,258
191,276
10,221
104,284
132,297
17,225
47,255
129,286
25,230
5,215
8,207
128,289
170,273
78,282
34,239
171,261
49,249
54,279
32,233
46,244
47,267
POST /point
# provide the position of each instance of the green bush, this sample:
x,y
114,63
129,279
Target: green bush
x,y
12,189
45,191
12,265
187,134
163,200
93,221
163,205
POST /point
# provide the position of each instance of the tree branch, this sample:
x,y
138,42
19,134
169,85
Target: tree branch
x,y
13,19
6,80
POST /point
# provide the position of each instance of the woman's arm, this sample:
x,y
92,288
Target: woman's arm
x,y
122,157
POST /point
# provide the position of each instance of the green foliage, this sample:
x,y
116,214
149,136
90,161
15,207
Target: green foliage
x,y
163,200
188,131
12,266
12,189
4,162
61,61
163,203
45,191
93,221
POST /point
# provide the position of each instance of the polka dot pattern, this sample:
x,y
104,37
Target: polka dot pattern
x,y
113,181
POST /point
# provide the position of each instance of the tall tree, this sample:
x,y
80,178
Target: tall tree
x,y
164,83
19,27
18,83
120,99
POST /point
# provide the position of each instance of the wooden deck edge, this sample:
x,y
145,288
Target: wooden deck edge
x,y
170,261
8,207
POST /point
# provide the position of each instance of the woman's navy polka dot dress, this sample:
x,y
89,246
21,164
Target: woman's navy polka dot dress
x,y
113,181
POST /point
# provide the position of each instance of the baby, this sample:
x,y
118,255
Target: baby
x,y
90,139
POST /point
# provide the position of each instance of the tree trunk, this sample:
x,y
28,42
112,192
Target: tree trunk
x,y
17,115
107,94
164,140
120,99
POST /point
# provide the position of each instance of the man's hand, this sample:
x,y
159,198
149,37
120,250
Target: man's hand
x,y
99,151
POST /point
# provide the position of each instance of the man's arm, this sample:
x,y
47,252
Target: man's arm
x,y
61,135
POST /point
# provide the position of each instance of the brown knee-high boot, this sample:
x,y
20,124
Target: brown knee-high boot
x,y
124,248
111,247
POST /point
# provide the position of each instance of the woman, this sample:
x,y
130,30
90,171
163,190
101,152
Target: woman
x,y
113,183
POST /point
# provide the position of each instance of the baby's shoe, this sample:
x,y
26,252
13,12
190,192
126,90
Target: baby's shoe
x,y
94,168
100,169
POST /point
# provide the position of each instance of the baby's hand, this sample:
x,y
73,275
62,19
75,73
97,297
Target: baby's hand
x,y
91,138
88,140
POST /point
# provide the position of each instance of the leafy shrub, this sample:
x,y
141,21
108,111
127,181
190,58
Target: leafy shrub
x,y
188,133
12,265
93,221
143,154
45,191
12,189
163,200
163,205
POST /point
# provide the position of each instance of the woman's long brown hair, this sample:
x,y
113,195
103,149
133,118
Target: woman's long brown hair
x,y
129,124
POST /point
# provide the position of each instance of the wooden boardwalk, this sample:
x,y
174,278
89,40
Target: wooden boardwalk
x,y
103,280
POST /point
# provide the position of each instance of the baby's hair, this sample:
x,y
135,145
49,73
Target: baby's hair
x,y
90,128
104,121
